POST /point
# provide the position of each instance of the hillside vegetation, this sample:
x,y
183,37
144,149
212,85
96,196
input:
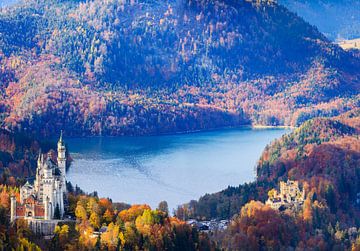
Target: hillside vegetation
x,y
337,19
19,154
322,152
324,156
150,67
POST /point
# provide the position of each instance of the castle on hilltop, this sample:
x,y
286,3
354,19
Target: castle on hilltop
x,y
290,196
44,199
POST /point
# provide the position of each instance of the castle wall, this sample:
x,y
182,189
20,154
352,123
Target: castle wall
x,y
43,227
20,211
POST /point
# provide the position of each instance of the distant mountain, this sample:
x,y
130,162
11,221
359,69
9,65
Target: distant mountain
x,y
337,19
149,67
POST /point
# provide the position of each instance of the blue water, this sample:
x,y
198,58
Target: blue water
x,y
175,168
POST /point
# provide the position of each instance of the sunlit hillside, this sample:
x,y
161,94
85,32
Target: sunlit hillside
x,y
150,67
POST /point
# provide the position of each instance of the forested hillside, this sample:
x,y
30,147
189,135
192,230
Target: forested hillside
x,y
337,19
18,156
321,152
324,156
150,67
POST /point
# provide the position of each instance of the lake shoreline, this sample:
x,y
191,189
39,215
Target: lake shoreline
x,y
250,127
153,169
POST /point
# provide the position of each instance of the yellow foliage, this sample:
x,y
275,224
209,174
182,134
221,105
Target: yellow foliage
x,y
80,212
133,212
272,193
111,237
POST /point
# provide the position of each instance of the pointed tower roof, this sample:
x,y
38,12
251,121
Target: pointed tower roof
x,y
27,185
39,158
61,138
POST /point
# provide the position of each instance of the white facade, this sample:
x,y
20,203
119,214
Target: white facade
x,y
49,186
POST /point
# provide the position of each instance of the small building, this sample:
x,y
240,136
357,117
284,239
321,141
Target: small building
x,y
206,226
290,195
97,234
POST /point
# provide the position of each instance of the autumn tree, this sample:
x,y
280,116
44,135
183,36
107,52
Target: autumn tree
x,y
163,206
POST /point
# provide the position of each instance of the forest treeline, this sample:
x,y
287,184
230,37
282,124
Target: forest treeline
x,y
324,156
336,19
152,67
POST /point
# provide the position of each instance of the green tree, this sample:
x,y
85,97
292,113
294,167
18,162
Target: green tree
x,y
163,206
57,212
330,198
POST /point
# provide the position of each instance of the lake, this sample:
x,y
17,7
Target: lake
x,y
175,168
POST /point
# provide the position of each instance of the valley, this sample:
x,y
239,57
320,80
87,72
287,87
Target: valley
x,y
174,168
180,125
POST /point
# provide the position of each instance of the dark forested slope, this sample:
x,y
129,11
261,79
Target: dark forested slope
x,y
18,156
337,19
146,67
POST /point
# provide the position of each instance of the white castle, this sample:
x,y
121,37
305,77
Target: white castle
x,y
45,198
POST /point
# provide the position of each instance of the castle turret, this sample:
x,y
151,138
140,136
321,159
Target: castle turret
x,y
13,208
61,159
39,158
47,209
62,209
38,175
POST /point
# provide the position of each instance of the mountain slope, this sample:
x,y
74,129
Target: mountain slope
x,y
336,19
18,155
148,67
324,156
321,153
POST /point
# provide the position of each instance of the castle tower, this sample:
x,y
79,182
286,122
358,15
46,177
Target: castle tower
x,y
47,209
13,208
61,159
39,159
38,178
62,209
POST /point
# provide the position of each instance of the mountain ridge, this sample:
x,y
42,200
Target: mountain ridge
x,y
173,67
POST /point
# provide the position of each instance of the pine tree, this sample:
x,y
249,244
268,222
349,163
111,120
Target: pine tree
x,y
57,212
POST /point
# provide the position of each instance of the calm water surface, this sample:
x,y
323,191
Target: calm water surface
x,y
175,168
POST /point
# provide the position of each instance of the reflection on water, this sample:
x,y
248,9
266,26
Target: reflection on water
x,y
175,168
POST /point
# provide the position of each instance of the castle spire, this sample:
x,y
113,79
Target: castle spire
x,y
39,158
61,137
61,160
